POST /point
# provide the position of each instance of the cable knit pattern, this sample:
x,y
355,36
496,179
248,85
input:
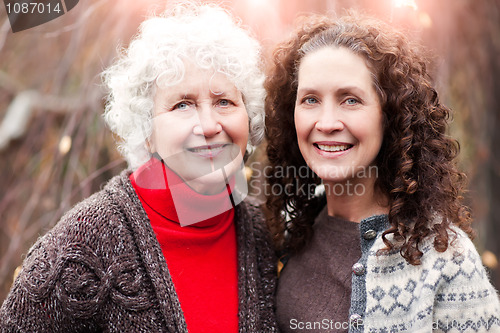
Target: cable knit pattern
x,y
448,292
101,269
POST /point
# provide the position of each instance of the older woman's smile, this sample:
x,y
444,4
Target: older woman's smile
x,y
210,151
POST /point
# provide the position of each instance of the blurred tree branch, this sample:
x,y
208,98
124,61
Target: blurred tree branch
x,y
15,122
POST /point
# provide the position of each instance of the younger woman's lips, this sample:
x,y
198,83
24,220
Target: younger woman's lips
x,y
331,149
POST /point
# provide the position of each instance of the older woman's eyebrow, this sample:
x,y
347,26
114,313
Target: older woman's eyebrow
x,y
181,96
221,93
229,93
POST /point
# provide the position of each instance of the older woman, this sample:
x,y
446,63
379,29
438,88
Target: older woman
x,y
170,244
385,247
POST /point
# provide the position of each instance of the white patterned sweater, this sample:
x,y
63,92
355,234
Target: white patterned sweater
x,y
448,292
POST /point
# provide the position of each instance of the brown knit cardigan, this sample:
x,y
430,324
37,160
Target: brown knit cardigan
x,y
101,269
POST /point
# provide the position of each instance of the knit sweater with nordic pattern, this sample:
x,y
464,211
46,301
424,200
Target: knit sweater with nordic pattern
x,y
448,292
101,269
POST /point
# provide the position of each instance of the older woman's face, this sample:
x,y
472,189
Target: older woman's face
x,y
200,128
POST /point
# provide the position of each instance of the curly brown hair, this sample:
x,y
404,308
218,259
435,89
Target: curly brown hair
x,y
417,158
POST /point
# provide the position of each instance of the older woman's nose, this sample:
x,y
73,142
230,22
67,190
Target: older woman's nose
x,y
209,124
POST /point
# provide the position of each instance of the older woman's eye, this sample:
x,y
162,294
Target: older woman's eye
x,y
181,106
224,103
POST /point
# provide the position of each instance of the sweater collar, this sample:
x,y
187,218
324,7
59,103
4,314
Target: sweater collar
x,y
169,196
378,223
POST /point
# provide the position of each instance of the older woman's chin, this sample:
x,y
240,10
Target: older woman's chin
x,y
217,180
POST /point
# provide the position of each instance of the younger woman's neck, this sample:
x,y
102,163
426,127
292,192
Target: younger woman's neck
x,y
355,200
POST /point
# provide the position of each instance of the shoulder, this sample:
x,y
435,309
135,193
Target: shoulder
x,y
115,190
253,202
459,262
90,220
452,286
461,283
458,271
90,242
461,251
459,265
93,222
251,222
249,213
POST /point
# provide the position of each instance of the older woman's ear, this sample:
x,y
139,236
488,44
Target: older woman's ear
x,y
149,146
248,152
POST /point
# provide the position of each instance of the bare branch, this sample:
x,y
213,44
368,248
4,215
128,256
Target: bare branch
x,y
19,112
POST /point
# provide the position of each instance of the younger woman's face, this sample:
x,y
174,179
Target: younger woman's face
x,y
200,128
338,116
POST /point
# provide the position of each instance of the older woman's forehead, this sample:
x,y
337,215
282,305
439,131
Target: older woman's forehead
x,y
198,79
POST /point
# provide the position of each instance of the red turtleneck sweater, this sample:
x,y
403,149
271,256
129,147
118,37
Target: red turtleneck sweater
x,y
202,256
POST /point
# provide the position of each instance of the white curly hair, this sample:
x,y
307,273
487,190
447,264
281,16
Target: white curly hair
x,y
206,35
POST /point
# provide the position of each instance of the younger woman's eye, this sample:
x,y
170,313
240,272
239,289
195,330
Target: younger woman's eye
x,y
351,101
310,100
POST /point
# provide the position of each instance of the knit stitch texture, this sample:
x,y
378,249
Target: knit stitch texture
x,y
449,292
101,269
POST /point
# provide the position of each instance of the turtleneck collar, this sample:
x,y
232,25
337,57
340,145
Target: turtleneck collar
x,y
169,196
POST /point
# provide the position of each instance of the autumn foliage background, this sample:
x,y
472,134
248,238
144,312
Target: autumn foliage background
x,y
55,149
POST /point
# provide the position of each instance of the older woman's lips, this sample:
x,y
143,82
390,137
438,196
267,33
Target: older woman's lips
x,y
208,151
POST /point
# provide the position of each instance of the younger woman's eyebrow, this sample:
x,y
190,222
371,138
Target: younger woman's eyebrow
x,y
338,91
350,89
306,90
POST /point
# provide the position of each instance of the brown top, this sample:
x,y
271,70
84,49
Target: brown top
x,y
314,289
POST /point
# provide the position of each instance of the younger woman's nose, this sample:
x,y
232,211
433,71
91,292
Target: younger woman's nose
x,y
329,121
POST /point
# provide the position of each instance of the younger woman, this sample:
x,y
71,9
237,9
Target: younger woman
x,y
386,247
